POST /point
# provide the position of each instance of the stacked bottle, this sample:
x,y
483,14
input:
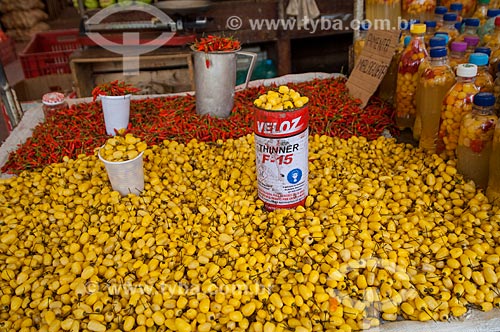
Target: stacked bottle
x,y
435,81
389,82
470,29
456,103
359,42
481,11
485,30
418,9
484,81
430,31
494,45
472,42
383,9
493,189
408,73
475,141
457,54
438,15
449,20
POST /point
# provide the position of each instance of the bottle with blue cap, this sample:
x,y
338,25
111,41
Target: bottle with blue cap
x,y
456,103
418,9
475,141
430,31
387,86
412,58
382,10
481,11
435,81
470,29
437,41
457,8
449,20
483,49
359,42
438,15
493,188
485,31
484,81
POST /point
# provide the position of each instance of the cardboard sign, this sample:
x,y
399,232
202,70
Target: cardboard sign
x,y
372,63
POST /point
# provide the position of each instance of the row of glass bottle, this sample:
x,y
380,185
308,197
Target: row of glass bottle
x,y
444,119
423,10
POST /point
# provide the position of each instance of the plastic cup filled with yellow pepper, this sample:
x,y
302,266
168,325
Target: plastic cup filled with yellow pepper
x,y
122,157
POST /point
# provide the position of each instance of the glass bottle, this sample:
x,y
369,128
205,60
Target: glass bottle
x,y
457,8
436,42
493,189
438,15
434,83
494,44
484,50
408,70
472,42
359,42
486,30
53,101
475,140
388,84
494,4
449,20
484,80
470,29
481,11
418,9
457,54
456,103
430,30
496,92
383,9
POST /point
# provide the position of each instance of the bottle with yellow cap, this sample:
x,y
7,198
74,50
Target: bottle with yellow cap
x,y
412,58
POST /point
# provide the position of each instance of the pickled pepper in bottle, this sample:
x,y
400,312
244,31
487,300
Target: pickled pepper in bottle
x,y
456,103
408,73
476,139
457,54
435,81
493,189
484,81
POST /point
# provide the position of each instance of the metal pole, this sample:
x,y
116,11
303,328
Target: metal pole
x,y
9,99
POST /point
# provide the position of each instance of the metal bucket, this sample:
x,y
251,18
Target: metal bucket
x,y
215,81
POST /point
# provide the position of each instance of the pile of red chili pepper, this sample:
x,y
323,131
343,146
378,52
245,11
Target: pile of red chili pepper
x,y
213,43
114,88
80,128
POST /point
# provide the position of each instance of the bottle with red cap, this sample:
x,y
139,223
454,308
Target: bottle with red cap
x,y
476,139
53,101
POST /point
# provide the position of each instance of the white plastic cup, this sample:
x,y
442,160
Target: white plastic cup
x,y
116,111
126,177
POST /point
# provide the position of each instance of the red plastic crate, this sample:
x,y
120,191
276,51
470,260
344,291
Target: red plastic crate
x,y
48,53
7,51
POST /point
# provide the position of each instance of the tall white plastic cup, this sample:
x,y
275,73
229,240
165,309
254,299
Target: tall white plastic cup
x,y
116,111
126,177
